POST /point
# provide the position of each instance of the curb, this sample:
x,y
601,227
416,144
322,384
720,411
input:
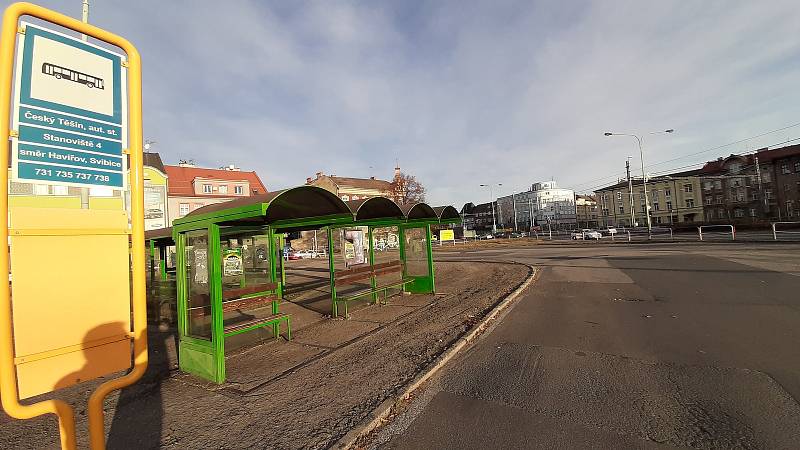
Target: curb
x,y
378,416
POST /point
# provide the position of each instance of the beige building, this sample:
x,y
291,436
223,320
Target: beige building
x,y
586,212
192,187
674,199
354,188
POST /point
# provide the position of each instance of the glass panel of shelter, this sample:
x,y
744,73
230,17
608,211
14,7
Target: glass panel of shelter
x,y
416,251
351,260
245,270
198,298
386,245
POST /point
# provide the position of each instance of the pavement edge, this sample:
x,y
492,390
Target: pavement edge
x,y
378,416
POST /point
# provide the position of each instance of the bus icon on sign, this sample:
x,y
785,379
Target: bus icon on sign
x,y
62,73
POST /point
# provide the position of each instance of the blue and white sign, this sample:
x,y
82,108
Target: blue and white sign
x,y
69,112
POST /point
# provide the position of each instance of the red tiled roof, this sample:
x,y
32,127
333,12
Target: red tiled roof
x,y
181,178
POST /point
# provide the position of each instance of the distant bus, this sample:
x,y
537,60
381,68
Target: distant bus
x,y
62,73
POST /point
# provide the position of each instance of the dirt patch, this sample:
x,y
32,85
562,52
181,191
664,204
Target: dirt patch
x,y
311,406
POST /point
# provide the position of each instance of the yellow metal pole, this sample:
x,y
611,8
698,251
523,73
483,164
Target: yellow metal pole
x,y
8,391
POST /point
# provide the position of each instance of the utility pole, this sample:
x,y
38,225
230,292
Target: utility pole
x,y
514,200
530,212
630,188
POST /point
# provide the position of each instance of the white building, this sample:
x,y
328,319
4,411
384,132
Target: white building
x,y
545,203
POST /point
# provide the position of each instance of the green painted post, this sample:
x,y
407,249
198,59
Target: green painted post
x,y
430,257
373,278
331,269
401,236
152,262
215,286
182,285
162,250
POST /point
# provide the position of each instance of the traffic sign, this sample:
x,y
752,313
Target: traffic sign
x,y
69,112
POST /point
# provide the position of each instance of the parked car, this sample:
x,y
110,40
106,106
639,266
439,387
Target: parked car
x,y
576,235
486,236
303,254
591,234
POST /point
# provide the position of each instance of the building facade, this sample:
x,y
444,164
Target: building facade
x,y
348,188
545,203
192,187
755,188
586,213
673,199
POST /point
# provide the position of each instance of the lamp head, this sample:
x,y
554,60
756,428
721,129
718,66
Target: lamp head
x,y
608,133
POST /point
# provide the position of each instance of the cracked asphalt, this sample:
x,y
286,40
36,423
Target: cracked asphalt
x,y
647,346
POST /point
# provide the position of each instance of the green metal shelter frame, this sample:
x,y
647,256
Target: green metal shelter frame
x,y
204,306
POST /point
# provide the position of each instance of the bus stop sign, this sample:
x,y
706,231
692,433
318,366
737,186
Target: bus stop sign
x,y
70,112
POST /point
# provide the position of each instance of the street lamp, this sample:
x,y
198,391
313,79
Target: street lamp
x,y
491,202
644,176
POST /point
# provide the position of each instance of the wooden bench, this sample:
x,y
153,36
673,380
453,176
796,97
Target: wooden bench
x,y
250,298
368,272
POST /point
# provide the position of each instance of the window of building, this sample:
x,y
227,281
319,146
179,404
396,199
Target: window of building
x,y
667,192
785,168
238,190
737,182
718,184
709,200
720,199
60,190
619,195
786,187
655,206
753,195
797,166
690,203
207,189
644,209
223,189
669,206
655,194
687,188
346,198
738,212
740,196
621,209
721,213
767,194
41,189
711,214
735,168
183,209
657,220
752,212
605,211
766,177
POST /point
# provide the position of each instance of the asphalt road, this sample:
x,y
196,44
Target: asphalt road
x,y
639,346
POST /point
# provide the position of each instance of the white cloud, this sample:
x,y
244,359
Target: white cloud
x,y
461,93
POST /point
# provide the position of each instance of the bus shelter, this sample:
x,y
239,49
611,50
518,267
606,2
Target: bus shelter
x,y
231,263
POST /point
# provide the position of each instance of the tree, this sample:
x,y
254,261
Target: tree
x,y
406,189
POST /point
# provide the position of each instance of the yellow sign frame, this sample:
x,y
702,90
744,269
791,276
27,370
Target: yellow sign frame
x,y
8,377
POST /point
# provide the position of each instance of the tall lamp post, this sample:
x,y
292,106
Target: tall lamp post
x,y
644,176
491,202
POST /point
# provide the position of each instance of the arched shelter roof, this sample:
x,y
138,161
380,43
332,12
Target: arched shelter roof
x,y
298,204
447,214
375,208
419,211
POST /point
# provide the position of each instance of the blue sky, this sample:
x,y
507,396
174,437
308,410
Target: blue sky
x,y
460,93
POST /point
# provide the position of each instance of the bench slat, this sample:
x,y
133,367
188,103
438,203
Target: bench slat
x,y
258,321
236,293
